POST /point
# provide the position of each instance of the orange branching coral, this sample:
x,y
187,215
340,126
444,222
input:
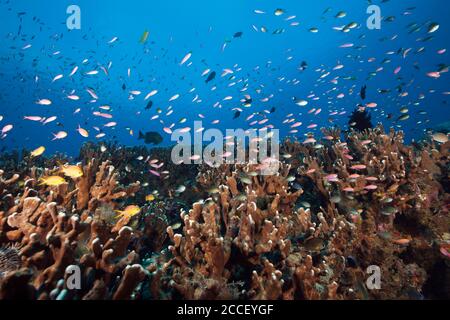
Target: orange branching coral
x,y
336,207
368,190
102,189
54,229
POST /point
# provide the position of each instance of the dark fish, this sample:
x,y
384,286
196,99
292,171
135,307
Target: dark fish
x,y
237,34
278,31
151,137
272,110
236,114
351,262
314,244
124,86
247,102
303,66
149,105
362,93
211,76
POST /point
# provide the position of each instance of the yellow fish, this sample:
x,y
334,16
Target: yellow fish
x,y
149,197
129,211
72,171
52,181
144,36
37,152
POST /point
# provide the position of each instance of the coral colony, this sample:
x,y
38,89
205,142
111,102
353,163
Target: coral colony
x,y
310,231
296,153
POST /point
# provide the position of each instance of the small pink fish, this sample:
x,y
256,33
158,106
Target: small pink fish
x,y
184,130
92,93
397,70
371,187
44,102
7,128
167,130
74,70
332,177
60,135
103,115
50,119
358,167
186,58
156,166
155,173
32,118
347,156
59,76
445,250
82,132
434,74
263,121
110,124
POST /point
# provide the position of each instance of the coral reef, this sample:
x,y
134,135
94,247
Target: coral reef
x,y
310,231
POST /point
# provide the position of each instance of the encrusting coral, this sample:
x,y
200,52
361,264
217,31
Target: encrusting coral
x,y
309,231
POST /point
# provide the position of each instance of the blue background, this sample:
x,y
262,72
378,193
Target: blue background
x,y
201,27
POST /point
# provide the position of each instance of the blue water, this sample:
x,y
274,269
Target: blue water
x,y
202,27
